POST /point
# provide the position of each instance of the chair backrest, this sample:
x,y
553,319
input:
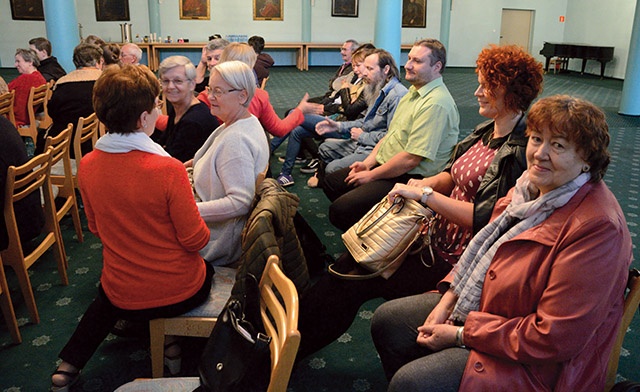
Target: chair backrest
x,y
264,83
86,130
61,146
35,103
46,121
279,310
37,98
631,303
6,106
22,181
261,177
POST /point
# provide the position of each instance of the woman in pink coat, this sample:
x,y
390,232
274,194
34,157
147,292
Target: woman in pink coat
x,y
535,301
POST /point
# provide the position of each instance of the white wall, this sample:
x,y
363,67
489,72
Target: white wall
x,y
605,23
474,24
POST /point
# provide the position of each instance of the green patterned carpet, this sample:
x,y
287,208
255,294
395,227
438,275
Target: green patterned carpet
x,y
349,364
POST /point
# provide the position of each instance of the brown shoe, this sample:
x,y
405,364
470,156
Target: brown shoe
x,y
312,182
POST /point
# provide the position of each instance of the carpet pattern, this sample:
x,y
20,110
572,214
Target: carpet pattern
x,y
349,364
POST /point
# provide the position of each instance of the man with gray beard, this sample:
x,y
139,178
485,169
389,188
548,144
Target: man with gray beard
x,y
382,93
358,136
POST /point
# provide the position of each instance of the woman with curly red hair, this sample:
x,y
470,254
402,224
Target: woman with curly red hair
x,y
483,167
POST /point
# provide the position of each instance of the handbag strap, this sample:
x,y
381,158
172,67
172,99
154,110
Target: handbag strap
x,y
397,201
399,258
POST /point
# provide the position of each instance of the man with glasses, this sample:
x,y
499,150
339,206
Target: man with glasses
x,y
130,54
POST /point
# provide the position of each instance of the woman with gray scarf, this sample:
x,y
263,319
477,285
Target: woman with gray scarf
x,y
542,281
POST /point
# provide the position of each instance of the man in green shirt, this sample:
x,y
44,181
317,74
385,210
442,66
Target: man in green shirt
x,y
418,143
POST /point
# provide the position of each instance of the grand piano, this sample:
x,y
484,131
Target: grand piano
x,y
603,54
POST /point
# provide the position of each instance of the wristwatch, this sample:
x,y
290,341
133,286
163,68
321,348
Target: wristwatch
x,y
426,192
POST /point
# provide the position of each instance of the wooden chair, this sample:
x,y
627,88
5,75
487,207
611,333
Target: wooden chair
x,y
279,310
36,101
196,323
44,118
86,131
280,321
65,183
631,303
22,181
7,308
6,106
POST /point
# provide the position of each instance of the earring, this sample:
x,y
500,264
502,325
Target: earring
x,y
586,168
144,125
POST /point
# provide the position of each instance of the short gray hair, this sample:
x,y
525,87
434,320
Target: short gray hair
x,y
178,61
28,55
241,52
239,76
218,43
134,48
86,55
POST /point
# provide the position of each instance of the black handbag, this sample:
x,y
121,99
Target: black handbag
x,y
237,356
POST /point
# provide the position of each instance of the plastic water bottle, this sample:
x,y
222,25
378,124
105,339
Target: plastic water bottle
x,y
31,147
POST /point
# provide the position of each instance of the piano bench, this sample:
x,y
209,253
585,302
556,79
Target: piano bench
x,y
558,64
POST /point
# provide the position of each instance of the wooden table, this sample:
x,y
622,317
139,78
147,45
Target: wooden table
x,y
157,47
302,50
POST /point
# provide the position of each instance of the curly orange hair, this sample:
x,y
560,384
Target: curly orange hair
x,y
513,69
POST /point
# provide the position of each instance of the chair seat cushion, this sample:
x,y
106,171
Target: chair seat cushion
x,y
161,384
58,168
221,286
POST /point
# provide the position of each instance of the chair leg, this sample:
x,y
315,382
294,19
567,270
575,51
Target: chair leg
x,y
27,292
156,332
60,254
77,224
7,309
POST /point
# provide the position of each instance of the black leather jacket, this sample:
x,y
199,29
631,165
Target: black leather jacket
x,y
507,166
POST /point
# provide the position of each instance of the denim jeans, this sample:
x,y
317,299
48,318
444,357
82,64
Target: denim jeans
x,y
409,366
305,130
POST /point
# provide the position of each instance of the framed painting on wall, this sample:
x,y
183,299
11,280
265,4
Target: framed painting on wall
x,y
414,13
267,9
347,8
27,10
195,9
112,10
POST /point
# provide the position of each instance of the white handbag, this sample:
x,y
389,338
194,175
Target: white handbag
x,y
382,239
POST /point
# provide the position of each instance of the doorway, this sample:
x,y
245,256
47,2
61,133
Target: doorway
x,y
516,28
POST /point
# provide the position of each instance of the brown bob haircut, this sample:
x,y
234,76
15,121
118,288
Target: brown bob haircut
x,y
580,122
121,94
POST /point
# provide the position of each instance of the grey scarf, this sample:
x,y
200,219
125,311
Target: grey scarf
x,y
521,214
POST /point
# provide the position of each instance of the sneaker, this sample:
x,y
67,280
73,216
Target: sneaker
x,y
311,167
299,161
285,180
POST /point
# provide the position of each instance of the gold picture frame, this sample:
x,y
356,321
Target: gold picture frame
x,y
268,10
195,9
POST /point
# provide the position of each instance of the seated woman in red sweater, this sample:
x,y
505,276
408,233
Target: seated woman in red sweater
x,y
26,63
148,221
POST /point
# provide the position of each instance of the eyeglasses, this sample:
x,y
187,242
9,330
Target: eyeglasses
x,y
218,92
176,82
